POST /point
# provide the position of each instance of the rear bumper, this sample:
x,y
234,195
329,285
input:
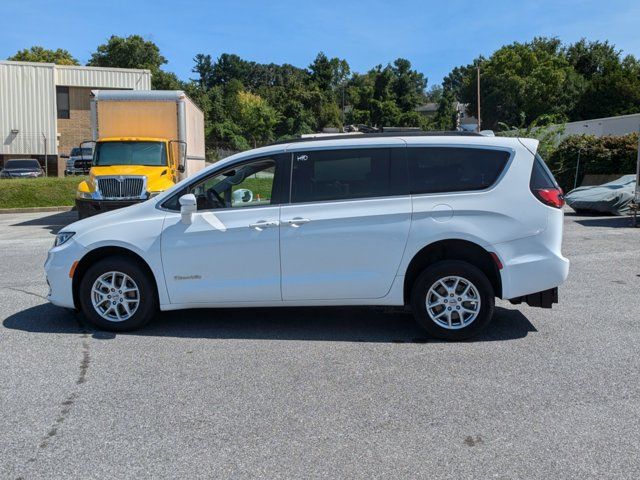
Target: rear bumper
x,y
544,299
87,208
530,268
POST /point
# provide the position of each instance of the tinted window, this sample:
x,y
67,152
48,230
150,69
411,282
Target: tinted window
x,y
341,174
85,152
452,169
62,101
22,164
541,177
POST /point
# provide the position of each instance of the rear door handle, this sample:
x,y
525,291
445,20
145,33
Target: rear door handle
x,y
298,221
262,224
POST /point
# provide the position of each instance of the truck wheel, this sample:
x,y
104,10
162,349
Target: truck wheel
x,y
117,294
453,300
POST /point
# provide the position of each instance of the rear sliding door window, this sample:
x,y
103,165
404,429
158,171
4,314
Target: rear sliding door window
x,y
344,174
453,169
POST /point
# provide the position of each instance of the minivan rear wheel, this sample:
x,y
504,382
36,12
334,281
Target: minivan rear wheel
x,y
453,300
117,294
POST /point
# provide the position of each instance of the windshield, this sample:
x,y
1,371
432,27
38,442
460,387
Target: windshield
x,y
85,152
130,153
22,164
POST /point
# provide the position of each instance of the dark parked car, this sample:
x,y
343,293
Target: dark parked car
x,y
22,168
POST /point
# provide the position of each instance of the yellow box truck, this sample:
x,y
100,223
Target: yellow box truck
x,y
145,142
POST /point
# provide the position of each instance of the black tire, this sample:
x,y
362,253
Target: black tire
x,y
466,271
148,296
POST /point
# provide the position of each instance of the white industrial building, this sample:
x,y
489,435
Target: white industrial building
x,y
45,108
600,127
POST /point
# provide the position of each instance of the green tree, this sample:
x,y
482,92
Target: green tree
x,y
256,118
133,52
43,55
408,85
387,96
204,68
161,80
328,73
613,82
521,82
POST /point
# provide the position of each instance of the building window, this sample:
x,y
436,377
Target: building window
x,y
62,101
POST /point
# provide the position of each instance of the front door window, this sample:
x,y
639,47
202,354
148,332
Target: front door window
x,y
248,185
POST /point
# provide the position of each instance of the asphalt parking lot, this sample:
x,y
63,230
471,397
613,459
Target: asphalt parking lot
x,y
334,392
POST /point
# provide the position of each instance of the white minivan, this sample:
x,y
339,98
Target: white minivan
x,y
443,223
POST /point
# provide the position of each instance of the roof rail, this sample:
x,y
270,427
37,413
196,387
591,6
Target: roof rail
x,y
411,133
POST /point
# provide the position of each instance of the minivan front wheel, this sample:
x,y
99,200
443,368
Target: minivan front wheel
x,y
117,294
453,300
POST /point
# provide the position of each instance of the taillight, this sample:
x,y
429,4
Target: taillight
x,y
554,197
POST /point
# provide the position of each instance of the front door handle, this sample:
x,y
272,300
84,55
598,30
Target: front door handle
x,y
262,224
298,221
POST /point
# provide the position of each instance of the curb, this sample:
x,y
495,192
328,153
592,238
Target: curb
x,y
36,209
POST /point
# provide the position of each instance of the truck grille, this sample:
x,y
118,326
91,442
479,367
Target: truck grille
x,y
121,187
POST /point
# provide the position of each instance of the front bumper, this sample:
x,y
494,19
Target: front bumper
x,y
87,208
57,267
76,171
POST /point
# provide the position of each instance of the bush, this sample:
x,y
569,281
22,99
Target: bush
x,y
598,155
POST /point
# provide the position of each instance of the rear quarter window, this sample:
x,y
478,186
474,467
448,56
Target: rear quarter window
x,y
541,176
454,169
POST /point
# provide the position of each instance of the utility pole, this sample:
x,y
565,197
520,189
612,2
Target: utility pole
x,y
343,82
636,199
479,121
575,180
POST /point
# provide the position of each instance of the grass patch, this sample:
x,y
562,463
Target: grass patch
x,y
61,192
259,186
39,192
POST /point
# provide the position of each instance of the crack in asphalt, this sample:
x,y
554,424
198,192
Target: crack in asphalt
x,y
26,292
70,399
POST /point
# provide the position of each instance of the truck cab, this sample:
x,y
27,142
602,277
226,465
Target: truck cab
x,y
128,170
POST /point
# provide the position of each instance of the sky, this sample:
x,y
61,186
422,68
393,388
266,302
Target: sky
x,y
434,36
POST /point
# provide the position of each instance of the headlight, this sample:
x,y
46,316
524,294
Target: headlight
x,y
62,238
153,194
85,195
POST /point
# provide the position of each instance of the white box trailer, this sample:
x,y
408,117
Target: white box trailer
x,y
167,114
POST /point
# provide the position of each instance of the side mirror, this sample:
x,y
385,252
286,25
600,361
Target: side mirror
x,y
181,152
188,207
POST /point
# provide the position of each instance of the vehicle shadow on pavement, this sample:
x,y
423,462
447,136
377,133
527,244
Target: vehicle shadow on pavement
x,y
609,222
332,324
54,223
